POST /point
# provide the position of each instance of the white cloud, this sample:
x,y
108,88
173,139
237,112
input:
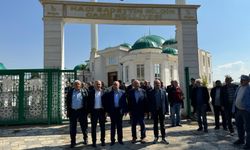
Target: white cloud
x,y
234,69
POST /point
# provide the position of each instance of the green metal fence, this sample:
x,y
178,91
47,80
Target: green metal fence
x,y
33,96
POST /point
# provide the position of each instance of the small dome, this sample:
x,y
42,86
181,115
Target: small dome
x,y
150,41
2,67
80,67
126,45
169,50
170,42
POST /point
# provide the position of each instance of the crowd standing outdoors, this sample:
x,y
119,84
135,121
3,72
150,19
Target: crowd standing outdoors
x,y
140,100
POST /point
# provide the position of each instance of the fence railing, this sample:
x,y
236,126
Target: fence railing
x,y
33,96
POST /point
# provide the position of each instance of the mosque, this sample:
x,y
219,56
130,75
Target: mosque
x,y
150,57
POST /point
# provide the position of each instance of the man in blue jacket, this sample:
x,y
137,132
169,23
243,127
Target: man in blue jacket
x,y
138,106
116,106
159,107
242,109
77,110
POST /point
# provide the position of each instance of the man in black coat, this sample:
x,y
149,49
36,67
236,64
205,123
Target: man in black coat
x,y
217,102
228,91
200,100
159,107
138,106
77,110
116,107
97,112
190,88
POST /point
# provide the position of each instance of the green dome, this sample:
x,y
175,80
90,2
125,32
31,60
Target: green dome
x,y
2,67
81,67
126,45
169,50
150,41
159,40
170,42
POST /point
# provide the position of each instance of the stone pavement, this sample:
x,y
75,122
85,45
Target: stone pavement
x,y
39,137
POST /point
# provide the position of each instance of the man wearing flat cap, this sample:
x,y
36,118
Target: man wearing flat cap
x,y
228,94
242,110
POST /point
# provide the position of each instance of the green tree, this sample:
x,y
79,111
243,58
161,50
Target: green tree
x,y
204,80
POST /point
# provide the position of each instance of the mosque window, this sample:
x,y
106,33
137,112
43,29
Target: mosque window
x,y
140,72
157,71
204,60
93,67
112,60
126,74
171,72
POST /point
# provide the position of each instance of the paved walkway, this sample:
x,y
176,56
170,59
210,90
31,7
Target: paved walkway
x,y
57,137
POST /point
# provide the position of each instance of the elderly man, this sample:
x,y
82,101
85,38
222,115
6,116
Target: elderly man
x,y
97,112
176,97
217,100
228,92
116,106
200,101
138,106
159,106
242,109
77,110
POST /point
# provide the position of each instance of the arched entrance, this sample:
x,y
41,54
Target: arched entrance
x,y
184,17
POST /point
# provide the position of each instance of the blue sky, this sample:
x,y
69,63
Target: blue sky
x,y
223,30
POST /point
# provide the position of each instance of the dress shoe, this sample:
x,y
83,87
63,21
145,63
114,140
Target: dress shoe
x,y
216,128
85,142
143,140
72,145
205,130
103,144
165,141
199,129
155,140
112,143
239,142
133,141
93,145
120,142
179,125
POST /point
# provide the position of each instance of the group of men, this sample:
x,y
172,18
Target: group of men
x,y
231,100
137,100
116,103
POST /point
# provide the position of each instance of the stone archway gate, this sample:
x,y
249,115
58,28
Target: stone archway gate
x,y
184,17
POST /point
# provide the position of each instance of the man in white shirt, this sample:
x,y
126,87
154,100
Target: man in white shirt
x,y
97,112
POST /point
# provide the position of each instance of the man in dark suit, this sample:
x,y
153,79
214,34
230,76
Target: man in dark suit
x,y
116,107
217,100
228,91
77,110
200,101
190,88
159,106
137,105
130,86
97,112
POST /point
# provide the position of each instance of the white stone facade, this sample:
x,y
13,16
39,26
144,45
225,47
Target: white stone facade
x,y
205,64
119,59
